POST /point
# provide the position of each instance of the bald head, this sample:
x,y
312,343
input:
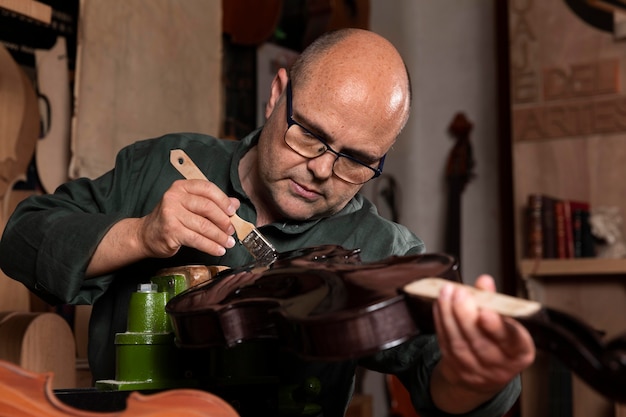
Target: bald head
x,y
359,66
350,90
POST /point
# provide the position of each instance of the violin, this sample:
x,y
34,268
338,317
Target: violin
x,y
323,303
27,394
319,302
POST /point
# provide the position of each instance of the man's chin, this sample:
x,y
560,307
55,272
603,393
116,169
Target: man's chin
x,y
300,214
300,217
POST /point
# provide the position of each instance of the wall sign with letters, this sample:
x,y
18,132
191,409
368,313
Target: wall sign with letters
x,y
566,74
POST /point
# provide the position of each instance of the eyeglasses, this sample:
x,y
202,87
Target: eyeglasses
x,y
309,145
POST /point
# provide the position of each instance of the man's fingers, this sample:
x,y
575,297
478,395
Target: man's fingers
x,y
210,191
485,282
457,317
512,338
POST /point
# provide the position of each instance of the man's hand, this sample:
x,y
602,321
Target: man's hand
x,y
481,351
193,213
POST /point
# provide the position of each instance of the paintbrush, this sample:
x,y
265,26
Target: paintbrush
x,y
247,233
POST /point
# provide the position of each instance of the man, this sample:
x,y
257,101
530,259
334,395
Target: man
x,y
329,123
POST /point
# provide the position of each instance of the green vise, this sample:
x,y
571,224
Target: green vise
x,y
146,355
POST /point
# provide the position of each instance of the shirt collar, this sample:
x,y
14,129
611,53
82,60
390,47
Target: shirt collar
x,y
245,145
292,227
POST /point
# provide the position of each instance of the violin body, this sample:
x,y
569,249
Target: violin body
x,y
324,303
26,394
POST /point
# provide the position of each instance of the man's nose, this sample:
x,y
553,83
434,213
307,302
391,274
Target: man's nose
x,y
322,166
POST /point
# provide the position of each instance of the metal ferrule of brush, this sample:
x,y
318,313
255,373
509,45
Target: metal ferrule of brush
x,y
259,246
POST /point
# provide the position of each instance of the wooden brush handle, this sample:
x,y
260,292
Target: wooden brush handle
x,y
183,164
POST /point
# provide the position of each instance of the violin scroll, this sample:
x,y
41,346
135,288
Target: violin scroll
x,y
581,348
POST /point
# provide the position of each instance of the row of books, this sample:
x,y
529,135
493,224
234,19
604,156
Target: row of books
x,y
558,228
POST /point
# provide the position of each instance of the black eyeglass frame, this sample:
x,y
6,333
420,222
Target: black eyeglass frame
x,y
290,122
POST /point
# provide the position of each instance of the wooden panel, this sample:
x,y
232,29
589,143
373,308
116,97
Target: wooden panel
x,y
14,296
29,8
143,69
40,342
607,170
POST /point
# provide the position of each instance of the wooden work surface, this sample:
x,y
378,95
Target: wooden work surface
x,y
144,69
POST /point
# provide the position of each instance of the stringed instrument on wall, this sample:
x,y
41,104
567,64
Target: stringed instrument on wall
x,y
19,131
459,172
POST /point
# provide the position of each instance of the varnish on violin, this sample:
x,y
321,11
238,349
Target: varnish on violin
x,y
323,303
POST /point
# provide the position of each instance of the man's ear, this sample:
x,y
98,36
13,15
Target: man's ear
x,y
279,84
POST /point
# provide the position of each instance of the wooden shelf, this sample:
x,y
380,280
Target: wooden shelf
x,y
561,267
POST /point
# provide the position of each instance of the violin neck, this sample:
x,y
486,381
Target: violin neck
x,y
574,343
429,289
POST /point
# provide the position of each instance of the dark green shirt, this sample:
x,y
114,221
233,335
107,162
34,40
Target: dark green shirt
x,y
50,239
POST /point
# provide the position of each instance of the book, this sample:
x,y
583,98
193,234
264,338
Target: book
x,y
578,212
557,228
589,243
561,230
584,246
534,227
548,227
577,237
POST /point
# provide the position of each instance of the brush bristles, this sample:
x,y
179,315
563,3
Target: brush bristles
x,y
258,245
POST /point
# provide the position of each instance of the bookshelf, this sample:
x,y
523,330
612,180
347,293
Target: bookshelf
x,y
568,140
571,267
581,168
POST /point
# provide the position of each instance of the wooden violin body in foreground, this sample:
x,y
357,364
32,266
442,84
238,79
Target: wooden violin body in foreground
x,y
323,303
26,394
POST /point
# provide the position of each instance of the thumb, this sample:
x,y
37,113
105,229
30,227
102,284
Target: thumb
x,y
485,282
